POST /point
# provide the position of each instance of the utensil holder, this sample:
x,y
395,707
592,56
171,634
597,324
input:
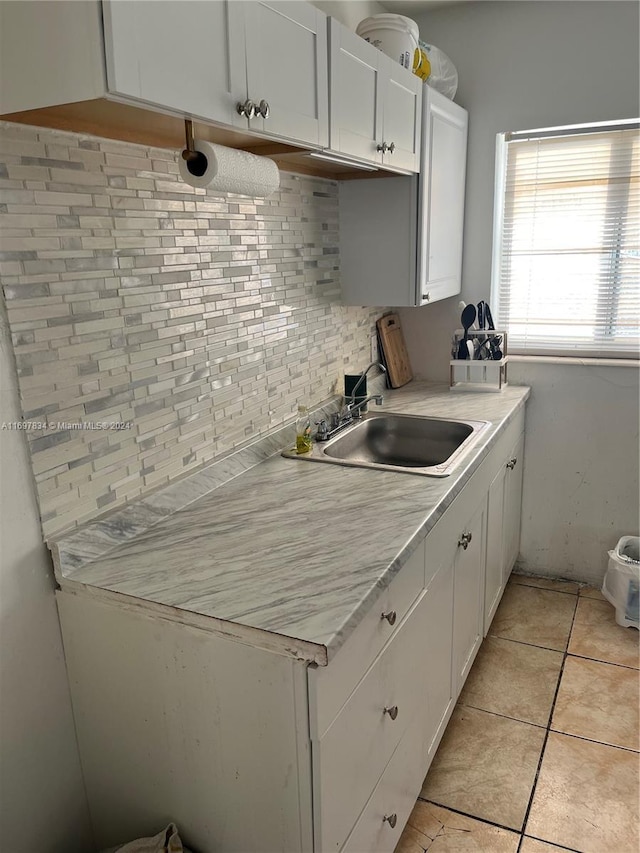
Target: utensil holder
x,y
479,374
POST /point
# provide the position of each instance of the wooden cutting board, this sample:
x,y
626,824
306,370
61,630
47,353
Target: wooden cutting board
x,y
394,350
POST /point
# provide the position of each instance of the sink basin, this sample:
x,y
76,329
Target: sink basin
x,y
410,443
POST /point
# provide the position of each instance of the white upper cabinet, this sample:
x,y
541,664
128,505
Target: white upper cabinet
x,y
444,158
376,104
286,63
401,238
259,66
175,55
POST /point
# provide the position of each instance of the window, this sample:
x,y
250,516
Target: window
x,y
566,263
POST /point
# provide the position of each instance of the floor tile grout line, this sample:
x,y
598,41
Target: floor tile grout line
x,y
598,742
606,662
503,716
524,643
548,730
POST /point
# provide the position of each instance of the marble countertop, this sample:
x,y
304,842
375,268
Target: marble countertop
x,y
290,555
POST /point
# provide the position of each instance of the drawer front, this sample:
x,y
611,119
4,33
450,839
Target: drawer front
x,y
350,758
395,795
330,686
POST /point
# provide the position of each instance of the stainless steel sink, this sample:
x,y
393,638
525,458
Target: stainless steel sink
x,y
413,444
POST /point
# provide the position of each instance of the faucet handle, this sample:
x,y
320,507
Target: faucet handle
x,y
322,430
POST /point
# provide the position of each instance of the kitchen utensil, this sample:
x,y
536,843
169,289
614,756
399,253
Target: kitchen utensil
x,y
465,350
396,357
481,314
494,341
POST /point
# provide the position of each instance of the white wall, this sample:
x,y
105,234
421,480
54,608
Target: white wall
x,y
524,65
42,799
581,466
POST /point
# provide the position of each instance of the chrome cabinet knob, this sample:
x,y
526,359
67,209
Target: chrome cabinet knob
x,y
391,819
392,712
246,108
391,147
464,540
391,617
511,464
382,148
426,297
263,109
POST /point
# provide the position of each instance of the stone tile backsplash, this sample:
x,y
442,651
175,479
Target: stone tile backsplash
x,y
192,322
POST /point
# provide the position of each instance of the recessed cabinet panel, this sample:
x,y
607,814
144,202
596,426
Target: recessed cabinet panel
x,y
355,95
513,506
494,571
286,56
174,55
402,114
468,596
442,198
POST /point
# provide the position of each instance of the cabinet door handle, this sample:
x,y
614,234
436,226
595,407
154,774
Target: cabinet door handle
x,y
464,540
263,109
392,712
382,148
246,108
391,147
391,617
391,819
426,296
511,464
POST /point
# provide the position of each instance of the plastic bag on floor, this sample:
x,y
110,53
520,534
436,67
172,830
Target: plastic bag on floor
x,y
167,841
621,585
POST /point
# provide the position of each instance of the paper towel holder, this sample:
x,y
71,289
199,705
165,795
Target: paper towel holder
x,y
196,162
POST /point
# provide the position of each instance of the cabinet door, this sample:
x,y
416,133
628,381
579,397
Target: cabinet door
x,y
438,658
180,56
468,595
513,506
444,145
286,56
494,570
355,96
402,113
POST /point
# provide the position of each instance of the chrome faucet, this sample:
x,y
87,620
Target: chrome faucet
x,y
351,411
355,409
363,376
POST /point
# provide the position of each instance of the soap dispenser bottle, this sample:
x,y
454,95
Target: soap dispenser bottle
x,y
303,430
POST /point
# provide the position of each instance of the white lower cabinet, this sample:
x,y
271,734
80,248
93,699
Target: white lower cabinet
x,y
503,525
249,750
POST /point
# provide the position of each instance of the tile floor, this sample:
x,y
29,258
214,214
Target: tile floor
x,y
542,751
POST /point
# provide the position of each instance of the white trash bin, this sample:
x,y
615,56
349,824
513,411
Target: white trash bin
x,y
621,585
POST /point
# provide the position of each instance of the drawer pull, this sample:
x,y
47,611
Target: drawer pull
x,y
391,819
464,540
391,617
392,712
511,464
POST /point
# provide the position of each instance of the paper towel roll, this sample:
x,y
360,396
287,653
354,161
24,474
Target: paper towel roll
x,y
227,170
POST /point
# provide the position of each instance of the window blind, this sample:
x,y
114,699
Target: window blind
x,y
566,272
